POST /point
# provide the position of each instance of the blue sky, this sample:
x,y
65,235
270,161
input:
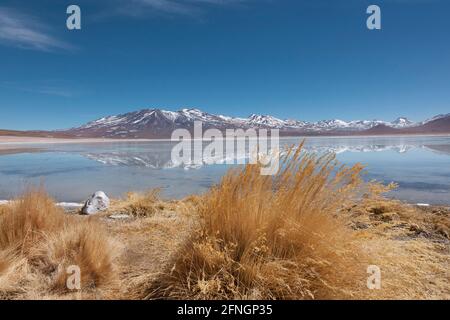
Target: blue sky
x,y
308,60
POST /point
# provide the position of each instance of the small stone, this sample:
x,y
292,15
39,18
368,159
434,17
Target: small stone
x,y
360,225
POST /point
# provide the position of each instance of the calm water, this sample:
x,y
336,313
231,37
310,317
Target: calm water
x,y
420,165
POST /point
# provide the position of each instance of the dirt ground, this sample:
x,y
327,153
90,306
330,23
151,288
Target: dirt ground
x,y
148,247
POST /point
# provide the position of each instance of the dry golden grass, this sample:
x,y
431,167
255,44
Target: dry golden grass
x,y
411,246
310,232
273,237
150,243
140,205
38,241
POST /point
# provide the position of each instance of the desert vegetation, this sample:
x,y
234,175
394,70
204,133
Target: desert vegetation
x,y
275,237
309,232
38,242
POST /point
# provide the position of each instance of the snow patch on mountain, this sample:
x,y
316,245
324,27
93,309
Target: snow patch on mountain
x,y
438,117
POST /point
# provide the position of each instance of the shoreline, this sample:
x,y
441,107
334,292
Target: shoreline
x,y
75,205
7,141
14,150
65,205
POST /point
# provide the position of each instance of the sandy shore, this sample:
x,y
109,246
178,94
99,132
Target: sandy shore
x,y
8,140
10,150
15,143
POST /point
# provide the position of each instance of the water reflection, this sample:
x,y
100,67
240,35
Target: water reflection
x,y
161,159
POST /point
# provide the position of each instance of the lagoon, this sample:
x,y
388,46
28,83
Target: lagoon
x,y
70,172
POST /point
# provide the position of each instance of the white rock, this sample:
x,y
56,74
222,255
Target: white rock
x,y
99,201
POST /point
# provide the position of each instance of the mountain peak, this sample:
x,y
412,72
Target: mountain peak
x,y
402,122
265,120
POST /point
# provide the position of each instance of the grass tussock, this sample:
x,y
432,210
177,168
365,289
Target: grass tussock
x,y
140,205
273,237
38,242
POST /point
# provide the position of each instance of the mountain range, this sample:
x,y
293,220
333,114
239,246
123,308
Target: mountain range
x,y
158,123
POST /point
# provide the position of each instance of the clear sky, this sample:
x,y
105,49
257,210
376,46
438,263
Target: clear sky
x,y
302,59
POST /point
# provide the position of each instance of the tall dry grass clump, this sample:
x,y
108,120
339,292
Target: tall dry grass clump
x,y
38,241
273,237
142,204
28,220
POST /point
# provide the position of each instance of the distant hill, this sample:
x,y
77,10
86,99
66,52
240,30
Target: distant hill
x,y
440,124
382,129
43,134
157,123
437,125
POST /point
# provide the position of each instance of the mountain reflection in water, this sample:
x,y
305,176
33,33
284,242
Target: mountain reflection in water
x,y
70,172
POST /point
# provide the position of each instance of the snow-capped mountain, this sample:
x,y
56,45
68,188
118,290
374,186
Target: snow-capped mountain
x,y
265,121
438,117
402,122
158,123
